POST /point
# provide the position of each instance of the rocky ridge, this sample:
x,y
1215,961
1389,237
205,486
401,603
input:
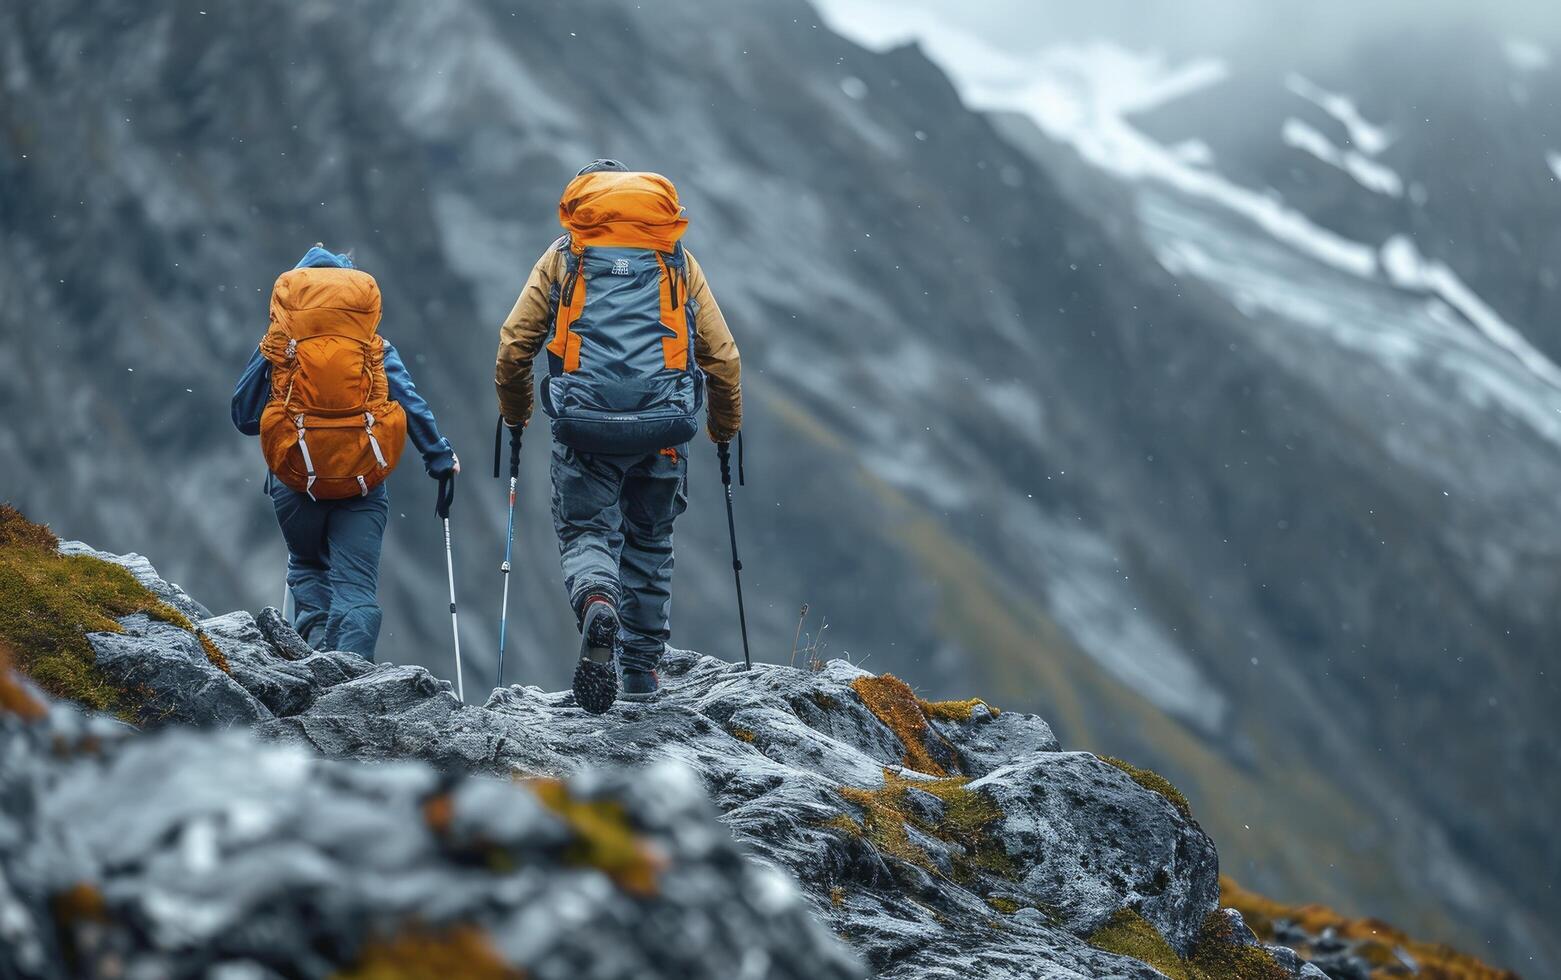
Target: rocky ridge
x,y
356,821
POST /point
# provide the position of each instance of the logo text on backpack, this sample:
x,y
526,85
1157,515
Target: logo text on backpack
x,y
620,267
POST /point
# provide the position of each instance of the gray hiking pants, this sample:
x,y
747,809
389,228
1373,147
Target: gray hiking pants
x,y
614,515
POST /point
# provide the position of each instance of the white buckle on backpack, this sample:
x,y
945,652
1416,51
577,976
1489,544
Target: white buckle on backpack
x,y
303,447
363,487
379,457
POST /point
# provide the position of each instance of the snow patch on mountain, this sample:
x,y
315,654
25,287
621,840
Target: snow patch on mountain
x,y
1407,268
1525,55
1094,602
1367,172
1554,160
1084,95
1365,136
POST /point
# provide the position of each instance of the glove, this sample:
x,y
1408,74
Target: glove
x,y
444,465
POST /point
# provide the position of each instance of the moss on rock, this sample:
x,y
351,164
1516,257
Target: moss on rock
x,y
1372,940
1154,782
1129,934
1216,955
966,821
892,702
49,602
958,712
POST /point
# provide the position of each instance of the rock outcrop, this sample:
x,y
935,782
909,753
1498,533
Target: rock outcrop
x,y
350,811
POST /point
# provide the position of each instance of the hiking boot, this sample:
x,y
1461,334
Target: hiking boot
x,y
596,675
640,685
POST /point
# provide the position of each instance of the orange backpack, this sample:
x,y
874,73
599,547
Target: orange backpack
x,y
330,429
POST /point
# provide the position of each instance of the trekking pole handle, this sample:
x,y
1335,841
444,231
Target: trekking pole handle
x,y
498,442
724,450
515,433
446,496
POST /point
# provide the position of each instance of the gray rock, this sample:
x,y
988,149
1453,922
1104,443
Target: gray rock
x,y
241,849
180,683
987,742
285,687
1094,841
289,645
220,855
332,667
1239,929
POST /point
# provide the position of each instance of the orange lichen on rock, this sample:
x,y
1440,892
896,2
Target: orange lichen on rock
x,y
893,702
439,813
603,837
458,951
81,902
1379,942
14,698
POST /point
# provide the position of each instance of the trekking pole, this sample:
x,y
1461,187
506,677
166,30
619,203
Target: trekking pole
x,y
725,451
442,508
509,542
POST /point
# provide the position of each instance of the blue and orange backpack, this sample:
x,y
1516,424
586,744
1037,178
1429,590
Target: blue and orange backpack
x,y
622,377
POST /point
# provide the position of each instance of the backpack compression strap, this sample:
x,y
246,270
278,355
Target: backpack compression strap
x,y
565,344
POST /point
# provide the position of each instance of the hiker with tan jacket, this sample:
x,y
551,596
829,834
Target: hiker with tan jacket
x,y
635,345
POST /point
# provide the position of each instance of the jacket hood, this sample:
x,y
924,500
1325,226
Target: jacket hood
x,y
319,257
626,208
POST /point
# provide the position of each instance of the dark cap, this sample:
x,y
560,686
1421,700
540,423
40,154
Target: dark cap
x,y
596,165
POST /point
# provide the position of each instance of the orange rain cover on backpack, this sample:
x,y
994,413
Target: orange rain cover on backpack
x,y
330,429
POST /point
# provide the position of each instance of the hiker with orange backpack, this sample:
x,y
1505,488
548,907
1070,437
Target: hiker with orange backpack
x,y
333,404
635,345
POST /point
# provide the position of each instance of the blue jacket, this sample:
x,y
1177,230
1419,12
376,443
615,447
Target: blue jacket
x,y
254,389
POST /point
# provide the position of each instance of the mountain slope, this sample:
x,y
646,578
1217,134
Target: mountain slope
x,y
995,435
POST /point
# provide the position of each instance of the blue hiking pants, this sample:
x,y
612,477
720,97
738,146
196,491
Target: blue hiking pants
x,y
333,566
614,515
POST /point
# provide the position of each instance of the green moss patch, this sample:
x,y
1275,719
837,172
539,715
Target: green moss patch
x,y
958,712
1220,953
967,819
1154,782
1129,934
1217,954
49,602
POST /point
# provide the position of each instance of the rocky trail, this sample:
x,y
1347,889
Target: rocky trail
x,y
276,811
